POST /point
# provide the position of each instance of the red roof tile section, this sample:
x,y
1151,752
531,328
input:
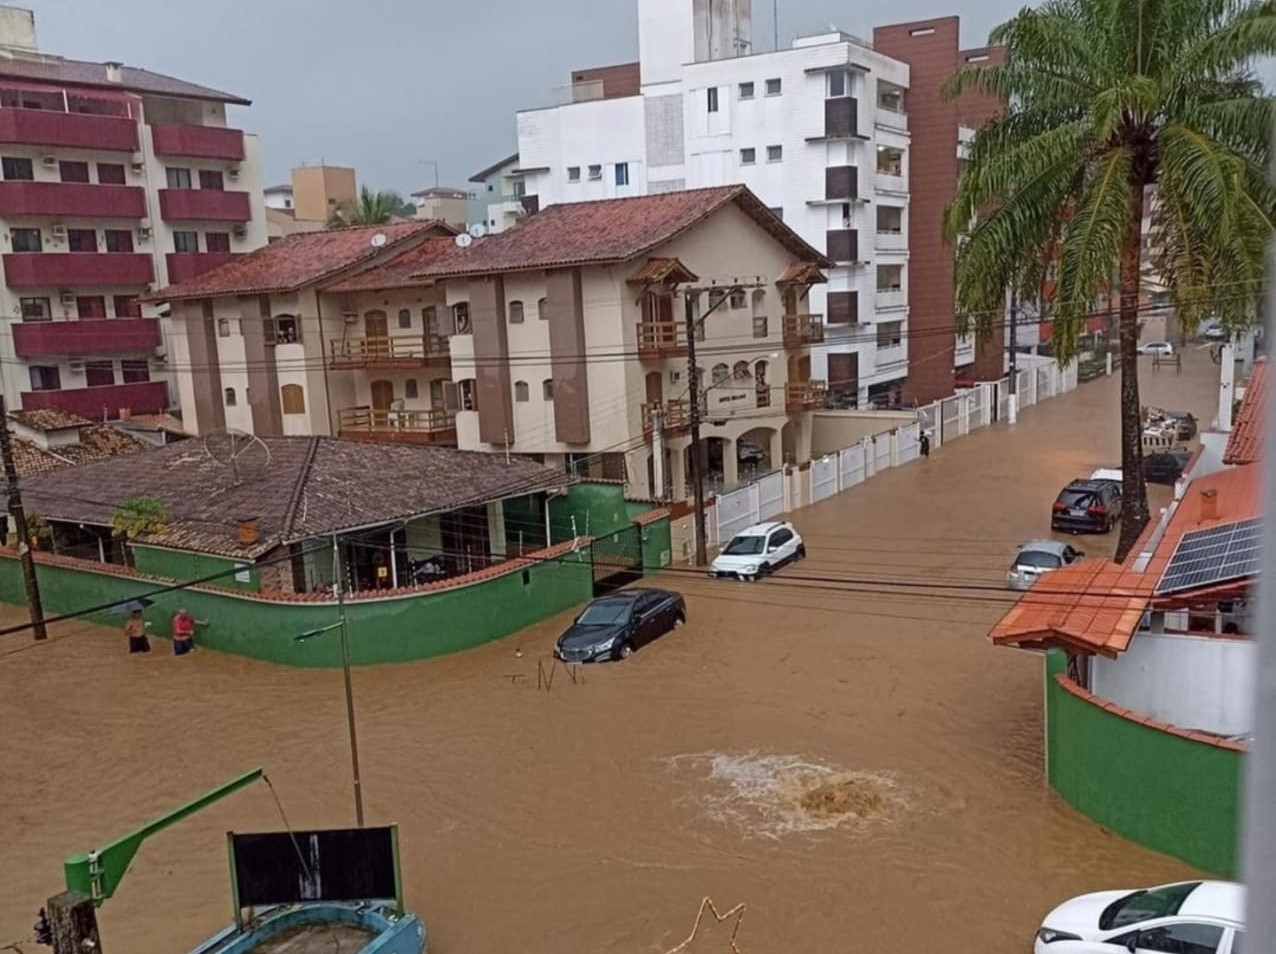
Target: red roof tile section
x,y
301,259
398,271
56,69
1245,444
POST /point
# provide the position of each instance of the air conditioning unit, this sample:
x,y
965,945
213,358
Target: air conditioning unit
x,y
68,298
143,234
75,366
58,231
239,231
232,172
138,168
51,161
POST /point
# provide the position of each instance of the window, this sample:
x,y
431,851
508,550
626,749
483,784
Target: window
x,y
186,242
839,83
110,173
746,91
890,278
135,370
229,394
411,390
15,167
1181,939
73,171
890,334
542,309
716,297
516,312
595,172
711,98
45,377
520,391
461,317
740,371
777,211
81,240
223,327
573,173
90,306
178,178
748,156
26,240
119,240
622,173
217,241
547,389
99,374
282,329
127,306
773,87
890,220
293,399
35,309
774,153
405,318
890,161
721,374
738,298
211,179
779,538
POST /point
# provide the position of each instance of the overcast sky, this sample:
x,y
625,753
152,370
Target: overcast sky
x,y
382,85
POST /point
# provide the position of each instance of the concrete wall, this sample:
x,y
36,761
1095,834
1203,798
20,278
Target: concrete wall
x,y
1194,682
833,430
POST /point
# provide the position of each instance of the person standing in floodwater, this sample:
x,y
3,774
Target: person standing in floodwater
x,y
923,444
183,632
135,630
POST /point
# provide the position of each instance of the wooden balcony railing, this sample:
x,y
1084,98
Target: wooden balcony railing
x,y
418,427
805,395
801,330
676,415
661,339
391,351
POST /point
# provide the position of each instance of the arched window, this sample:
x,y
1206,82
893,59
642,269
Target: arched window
x,y
547,389
516,312
721,373
542,309
762,388
230,397
461,317
293,398
520,391
405,318
410,390
740,371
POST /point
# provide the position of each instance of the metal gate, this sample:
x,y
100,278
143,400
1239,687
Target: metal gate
x,y
881,452
616,559
851,466
735,511
907,446
823,477
771,495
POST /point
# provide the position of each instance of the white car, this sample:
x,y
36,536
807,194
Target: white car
x,y
1108,473
758,550
1037,557
1156,347
1204,917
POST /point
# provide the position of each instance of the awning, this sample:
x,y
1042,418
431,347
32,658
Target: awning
x,y
802,273
662,271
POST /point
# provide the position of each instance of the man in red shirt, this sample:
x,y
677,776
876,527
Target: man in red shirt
x,y
183,632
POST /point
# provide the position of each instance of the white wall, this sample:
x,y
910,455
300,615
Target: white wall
x,y
1194,682
596,132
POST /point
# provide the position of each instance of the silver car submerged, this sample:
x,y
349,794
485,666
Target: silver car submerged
x,y
1037,557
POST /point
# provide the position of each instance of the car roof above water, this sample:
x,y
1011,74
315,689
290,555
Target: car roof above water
x,y
758,529
1044,546
1216,899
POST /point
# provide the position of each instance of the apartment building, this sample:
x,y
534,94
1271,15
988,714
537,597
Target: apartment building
x,y
307,201
497,202
443,204
564,339
849,142
113,181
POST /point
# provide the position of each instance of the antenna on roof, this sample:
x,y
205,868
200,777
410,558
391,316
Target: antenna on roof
x,y
464,240
245,454
478,230
378,240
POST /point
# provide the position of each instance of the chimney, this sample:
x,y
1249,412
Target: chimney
x,y
114,72
126,413
1209,505
249,531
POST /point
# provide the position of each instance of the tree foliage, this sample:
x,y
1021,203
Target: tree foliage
x,y
138,517
371,208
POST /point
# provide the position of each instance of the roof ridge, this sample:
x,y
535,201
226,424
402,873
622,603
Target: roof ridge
x,y
299,488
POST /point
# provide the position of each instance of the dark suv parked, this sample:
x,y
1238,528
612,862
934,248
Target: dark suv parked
x,y
1165,467
1083,506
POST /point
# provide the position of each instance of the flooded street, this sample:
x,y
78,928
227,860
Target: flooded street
x,y
857,766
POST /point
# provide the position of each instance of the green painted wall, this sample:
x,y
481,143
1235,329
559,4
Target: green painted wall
x,y
1163,791
526,516
657,544
187,565
599,509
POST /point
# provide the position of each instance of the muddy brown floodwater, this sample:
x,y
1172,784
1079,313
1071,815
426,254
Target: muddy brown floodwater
x,y
863,771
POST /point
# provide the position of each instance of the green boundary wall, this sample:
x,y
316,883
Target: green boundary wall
x,y
1162,790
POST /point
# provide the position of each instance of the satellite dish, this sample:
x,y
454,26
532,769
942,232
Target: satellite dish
x,y
464,240
478,230
245,454
378,240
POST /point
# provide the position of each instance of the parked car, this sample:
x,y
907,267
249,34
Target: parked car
x,y
1196,916
619,624
758,550
749,453
1156,347
1211,329
1087,506
1037,557
1185,423
1165,467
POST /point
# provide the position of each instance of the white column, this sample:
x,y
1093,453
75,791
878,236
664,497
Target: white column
x,y
1226,386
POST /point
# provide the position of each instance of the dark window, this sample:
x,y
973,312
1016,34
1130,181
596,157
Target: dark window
x,y
178,178
711,95
135,370
15,167
90,306
119,240
127,306
1039,559
773,87
69,171
573,174
217,241
223,327
890,334
26,240
186,242
99,374
461,317
109,173
542,309
839,83
774,153
411,390
748,156
520,391
547,389
781,537
45,377
1181,939
229,396
35,309
211,179
405,318
516,312
622,173
81,240
746,91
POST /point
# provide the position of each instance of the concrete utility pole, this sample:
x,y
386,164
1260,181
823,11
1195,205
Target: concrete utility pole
x,y
658,451
697,463
29,581
1012,406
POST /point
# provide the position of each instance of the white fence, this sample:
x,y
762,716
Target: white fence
x,y
968,410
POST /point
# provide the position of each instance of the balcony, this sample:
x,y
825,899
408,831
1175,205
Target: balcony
x,y
204,205
889,182
75,269
890,113
48,127
804,395
803,330
662,339
890,299
891,240
198,142
81,199
183,266
388,353
147,397
36,339
403,427
675,417
842,245
841,184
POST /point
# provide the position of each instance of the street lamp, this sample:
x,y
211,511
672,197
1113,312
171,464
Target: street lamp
x,y
339,588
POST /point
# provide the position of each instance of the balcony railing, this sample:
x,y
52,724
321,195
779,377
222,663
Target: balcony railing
x,y
198,142
183,266
889,114
801,330
804,395
890,182
80,199
888,298
891,240
392,351
146,397
411,427
34,339
675,415
77,269
661,339
49,127
204,205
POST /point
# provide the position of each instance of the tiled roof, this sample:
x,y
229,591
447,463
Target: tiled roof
x,y
612,230
154,422
48,419
1245,444
658,270
56,69
97,442
482,175
301,259
313,486
399,271
801,273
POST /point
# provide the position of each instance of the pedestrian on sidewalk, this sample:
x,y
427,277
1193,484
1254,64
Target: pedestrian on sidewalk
x,y
184,631
923,444
135,630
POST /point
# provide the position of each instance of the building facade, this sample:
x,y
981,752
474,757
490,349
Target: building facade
x,y
115,181
443,204
497,202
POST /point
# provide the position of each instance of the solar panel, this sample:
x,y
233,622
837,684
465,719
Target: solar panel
x,y
1216,555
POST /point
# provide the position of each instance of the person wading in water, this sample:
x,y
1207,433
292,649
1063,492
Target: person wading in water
x,y
135,630
184,632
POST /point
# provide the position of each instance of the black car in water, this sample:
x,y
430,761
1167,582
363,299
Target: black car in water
x,y
1087,506
617,625
1165,467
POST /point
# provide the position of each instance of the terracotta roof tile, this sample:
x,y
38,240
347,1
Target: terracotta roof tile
x,y
96,442
43,67
661,269
48,419
399,271
1245,444
802,273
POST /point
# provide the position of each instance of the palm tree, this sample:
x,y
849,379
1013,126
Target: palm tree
x,y
372,208
1110,102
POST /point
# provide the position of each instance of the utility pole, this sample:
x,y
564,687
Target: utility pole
x,y
697,464
29,581
339,572
1013,404
658,451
